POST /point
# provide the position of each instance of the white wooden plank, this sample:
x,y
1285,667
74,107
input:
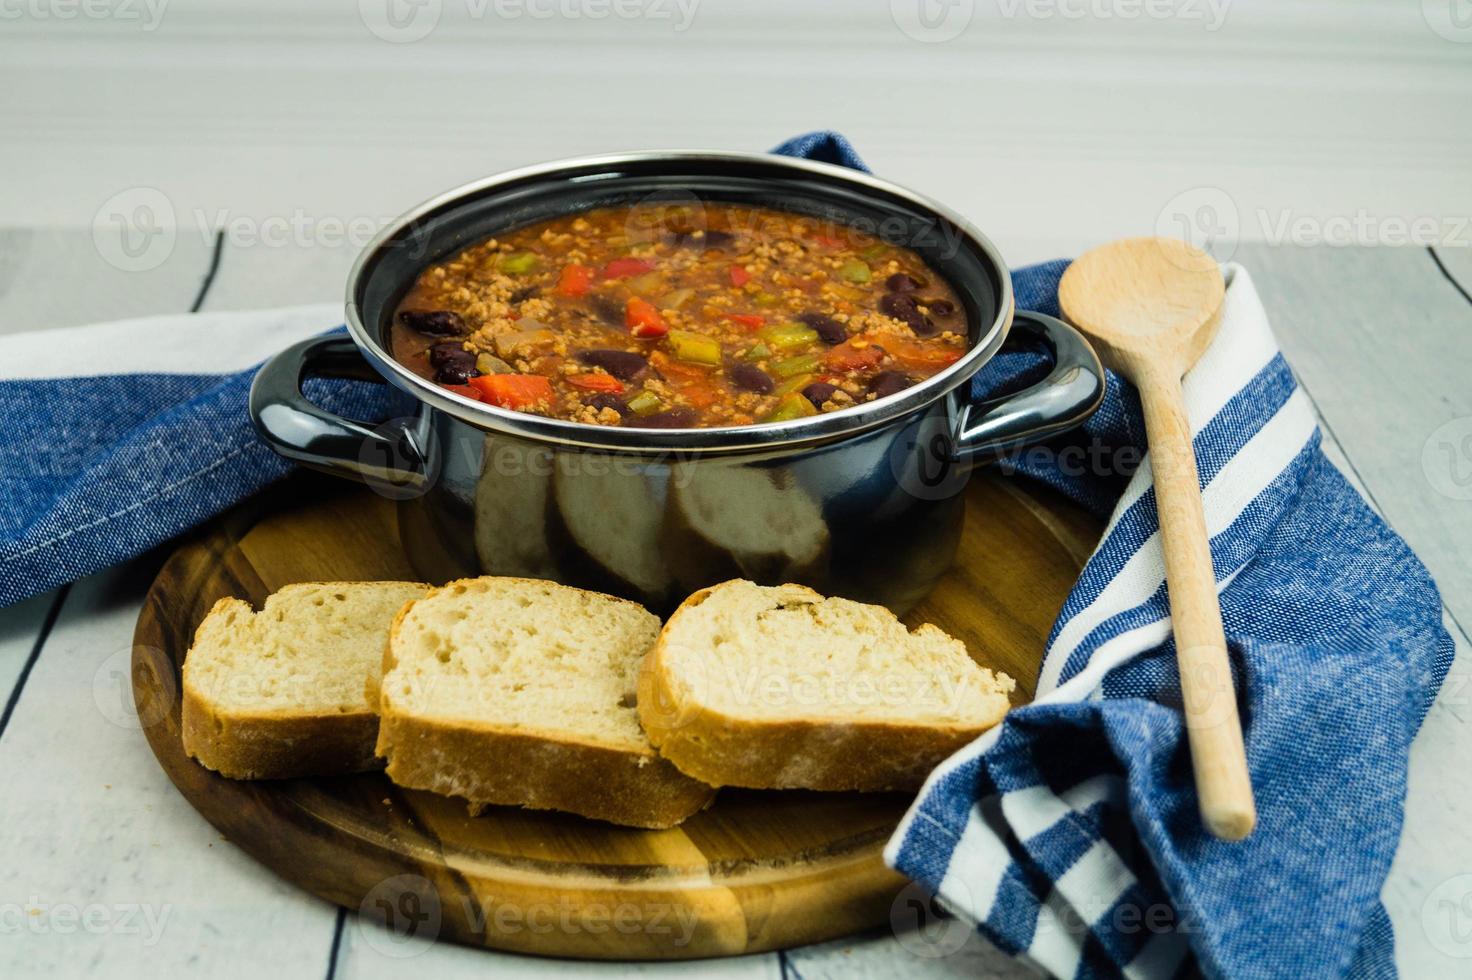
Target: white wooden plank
x,y
254,275
1432,873
107,870
20,627
60,278
1381,340
1458,265
369,952
938,954
1436,839
1295,106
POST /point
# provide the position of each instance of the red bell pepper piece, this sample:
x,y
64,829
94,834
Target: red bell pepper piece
x,y
574,281
514,391
751,321
597,382
643,320
465,390
739,275
626,268
854,355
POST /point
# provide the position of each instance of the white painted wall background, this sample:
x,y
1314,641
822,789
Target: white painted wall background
x,y
1052,123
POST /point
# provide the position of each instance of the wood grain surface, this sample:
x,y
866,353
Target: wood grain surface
x,y
757,871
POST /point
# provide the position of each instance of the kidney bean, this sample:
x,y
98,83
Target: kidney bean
x,y
887,383
902,282
523,294
436,323
940,307
674,418
453,364
830,331
751,377
901,306
710,238
904,307
604,400
622,364
819,392
608,311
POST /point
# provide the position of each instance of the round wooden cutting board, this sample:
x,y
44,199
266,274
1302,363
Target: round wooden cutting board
x,y
756,871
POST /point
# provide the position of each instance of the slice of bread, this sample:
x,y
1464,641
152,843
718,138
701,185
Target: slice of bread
x,y
521,691
780,688
280,693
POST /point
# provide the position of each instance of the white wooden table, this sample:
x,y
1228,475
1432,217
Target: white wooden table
x,y
106,871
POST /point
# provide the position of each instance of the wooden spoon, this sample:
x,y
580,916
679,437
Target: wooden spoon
x,y
1152,305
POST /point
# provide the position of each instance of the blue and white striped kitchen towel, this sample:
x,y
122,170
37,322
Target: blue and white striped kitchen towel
x,y
1069,834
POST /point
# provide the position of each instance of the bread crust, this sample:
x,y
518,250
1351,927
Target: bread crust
x,y
265,746
793,753
489,764
274,744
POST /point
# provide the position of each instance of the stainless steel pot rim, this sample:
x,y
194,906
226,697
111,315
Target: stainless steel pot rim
x,y
768,435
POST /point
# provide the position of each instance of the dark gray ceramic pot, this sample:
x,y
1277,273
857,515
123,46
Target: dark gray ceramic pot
x,y
864,502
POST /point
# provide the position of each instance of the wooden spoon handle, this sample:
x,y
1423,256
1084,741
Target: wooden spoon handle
x,y
1223,787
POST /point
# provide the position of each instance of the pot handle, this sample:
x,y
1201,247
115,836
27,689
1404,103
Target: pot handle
x,y
388,456
1066,397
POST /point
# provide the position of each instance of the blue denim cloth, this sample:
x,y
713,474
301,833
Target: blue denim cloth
x,y
1069,834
